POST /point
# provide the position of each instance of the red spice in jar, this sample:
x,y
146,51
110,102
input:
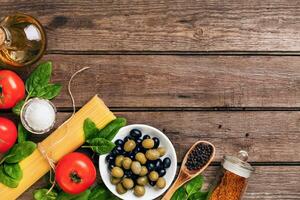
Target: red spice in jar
x,y
231,187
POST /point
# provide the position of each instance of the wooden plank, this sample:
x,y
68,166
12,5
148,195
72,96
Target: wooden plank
x,y
82,25
268,182
267,136
180,81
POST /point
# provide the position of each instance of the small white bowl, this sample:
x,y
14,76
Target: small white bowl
x,y
151,192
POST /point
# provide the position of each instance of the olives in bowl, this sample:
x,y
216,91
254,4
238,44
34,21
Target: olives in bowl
x,y
142,165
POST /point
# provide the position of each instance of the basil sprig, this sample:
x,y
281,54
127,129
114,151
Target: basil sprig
x,y
99,140
99,192
191,190
38,85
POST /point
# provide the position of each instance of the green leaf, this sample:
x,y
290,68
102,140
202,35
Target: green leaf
x,y
41,194
17,108
179,194
82,196
194,185
100,145
49,91
39,78
112,128
19,152
6,180
89,128
22,133
100,192
199,196
13,170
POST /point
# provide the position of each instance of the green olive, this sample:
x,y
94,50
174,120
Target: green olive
x,y
153,176
117,172
141,158
126,163
148,143
152,154
129,145
139,190
161,183
144,171
119,160
142,180
136,167
162,151
127,183
121,189
115,181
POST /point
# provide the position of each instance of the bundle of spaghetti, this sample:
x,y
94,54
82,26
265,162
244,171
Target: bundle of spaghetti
x,y
66,139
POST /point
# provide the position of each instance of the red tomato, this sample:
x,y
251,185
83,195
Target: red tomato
x,y
75,173
8,134
12,89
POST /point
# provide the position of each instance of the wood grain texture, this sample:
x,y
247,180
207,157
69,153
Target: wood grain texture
x,y
267,136
272,182
177,25
180,81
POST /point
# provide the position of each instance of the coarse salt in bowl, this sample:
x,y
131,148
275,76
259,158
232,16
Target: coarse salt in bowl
x,y
38,115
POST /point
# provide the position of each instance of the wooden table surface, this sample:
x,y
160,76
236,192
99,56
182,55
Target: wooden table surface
x,y
223,71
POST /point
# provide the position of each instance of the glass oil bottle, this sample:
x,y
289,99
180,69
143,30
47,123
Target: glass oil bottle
x,y
22,41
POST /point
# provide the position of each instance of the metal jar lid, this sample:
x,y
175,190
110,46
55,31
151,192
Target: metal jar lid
x,y
238,165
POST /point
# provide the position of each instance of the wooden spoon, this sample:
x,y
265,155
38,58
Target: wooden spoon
x,y
185,174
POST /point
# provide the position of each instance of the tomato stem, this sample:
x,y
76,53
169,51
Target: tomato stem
x,y
75,177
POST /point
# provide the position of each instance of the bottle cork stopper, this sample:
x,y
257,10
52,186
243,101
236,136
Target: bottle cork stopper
x,y
2,36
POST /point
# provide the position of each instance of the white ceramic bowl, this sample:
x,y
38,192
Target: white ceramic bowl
x,y
151,192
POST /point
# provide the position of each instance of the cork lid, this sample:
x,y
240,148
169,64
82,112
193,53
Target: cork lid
x,y
2,36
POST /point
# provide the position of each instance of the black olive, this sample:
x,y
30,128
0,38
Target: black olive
x,y
167,162
131,155
139,142
146,137
115,152
159,164
162,172
156,142
134,177
128,173
110,158
128,138
137,150
111,166
135,133
152,183
119,142
150,166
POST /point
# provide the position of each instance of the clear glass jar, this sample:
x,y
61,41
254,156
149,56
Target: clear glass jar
x,y
22,40
232,180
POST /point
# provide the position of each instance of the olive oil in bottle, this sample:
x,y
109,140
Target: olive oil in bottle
x,y
22,40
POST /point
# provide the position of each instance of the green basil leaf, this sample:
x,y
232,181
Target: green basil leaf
x,y
13,170
100,145
6,180
82,196
41,194
49,91
20,151
179,194
194,185
22,133
17,108
39,78
199,196
112,128
89,128
100,192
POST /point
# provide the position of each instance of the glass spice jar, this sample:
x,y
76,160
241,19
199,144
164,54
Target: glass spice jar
x,y
232,181
22,40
